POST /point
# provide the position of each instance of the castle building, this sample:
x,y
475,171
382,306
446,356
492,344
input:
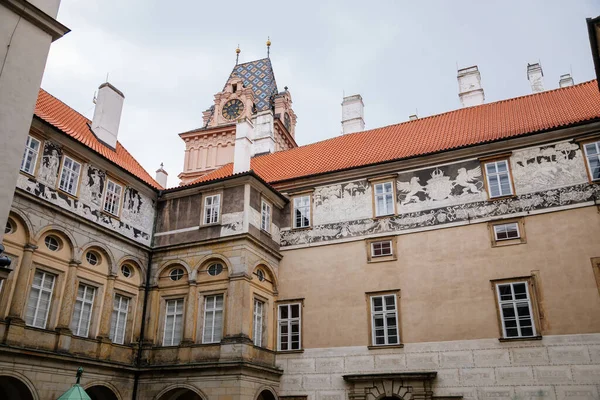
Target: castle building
x,y
445,257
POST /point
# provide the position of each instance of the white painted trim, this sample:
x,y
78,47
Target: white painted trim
x,y
191,228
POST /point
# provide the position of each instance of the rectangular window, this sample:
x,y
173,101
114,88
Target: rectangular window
x,y
265,216
173,322
384,198
213,319
82,312
302,211
384,320
288,332
498,178
259,307
592,155
118,319
69,176
32,149
507,231
381,249
112,198
515,309
211,209
40,296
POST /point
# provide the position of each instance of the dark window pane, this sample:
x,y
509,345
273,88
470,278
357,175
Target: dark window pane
x,y
527,331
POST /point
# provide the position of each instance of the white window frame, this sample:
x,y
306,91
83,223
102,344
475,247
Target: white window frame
x,y
258,322
384,314
177,316
265,216
387,197
210,216
69,173
514,302
118,323
30,151
301,204
587,158
288,323
391,253
112,197
79,325
504,227
496,176
39,289
211,308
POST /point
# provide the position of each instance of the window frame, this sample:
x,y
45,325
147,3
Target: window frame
x,y
534,307
113,328
310,210
373,259
522,239
60,173
371,319
486,178
269,216
84,302
35,162
204,208
588,168
256,324
41,288
383,181
290,320
205,310
175,314
119,202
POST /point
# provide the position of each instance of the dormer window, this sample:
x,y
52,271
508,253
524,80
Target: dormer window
x,y
234,87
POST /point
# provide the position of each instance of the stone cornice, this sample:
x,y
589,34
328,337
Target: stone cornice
x,y
402,376
37,17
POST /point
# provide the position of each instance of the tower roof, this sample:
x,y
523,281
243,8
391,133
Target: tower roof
x,y
258,75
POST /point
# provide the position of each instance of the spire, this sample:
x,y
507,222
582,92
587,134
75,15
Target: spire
x,y
268,46
237,54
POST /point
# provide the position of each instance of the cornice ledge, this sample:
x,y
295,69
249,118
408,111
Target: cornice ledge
x,y
37,17
418,376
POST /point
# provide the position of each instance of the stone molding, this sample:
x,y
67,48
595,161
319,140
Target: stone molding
x,y
37,17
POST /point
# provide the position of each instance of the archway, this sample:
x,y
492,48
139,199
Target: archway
x,y
180,394
100,392
266,395
13,388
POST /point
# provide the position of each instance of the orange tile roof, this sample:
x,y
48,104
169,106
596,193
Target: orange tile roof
x,y
69,121
451,130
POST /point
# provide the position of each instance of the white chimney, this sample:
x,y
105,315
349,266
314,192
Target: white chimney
x,y
566,80
535,75
263,140
353,114
470,91
413,117
242,152
161,176
107,114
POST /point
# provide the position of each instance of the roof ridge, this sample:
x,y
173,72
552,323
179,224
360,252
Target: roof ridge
x,y
65,104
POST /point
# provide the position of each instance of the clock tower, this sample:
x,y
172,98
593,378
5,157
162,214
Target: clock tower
x,y
249,93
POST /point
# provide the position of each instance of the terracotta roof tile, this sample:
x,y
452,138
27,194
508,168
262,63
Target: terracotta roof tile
x,y
69,121
464,127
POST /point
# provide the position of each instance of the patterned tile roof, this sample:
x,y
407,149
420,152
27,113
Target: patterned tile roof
x,y
258,75
64,118
451,130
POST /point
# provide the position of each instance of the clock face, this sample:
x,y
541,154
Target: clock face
x,y
233,109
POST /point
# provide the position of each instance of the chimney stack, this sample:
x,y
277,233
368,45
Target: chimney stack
x,y
535,75
107,114
470,91
242,152
566,80
353,114
161,176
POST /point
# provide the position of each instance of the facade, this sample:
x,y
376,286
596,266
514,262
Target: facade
x,y
453,256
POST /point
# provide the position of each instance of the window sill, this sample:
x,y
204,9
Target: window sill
x,y
382,259
289,351
73,196
520,339
110,215
302,229
386,346
27,174
508,196
209,225
376,217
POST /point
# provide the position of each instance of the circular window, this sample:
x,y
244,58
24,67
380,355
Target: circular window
x,y
52,242
176,274
126,271
215,269
261,275
10,227
92,258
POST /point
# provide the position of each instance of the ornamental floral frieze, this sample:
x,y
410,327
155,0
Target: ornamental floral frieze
x,y
342,202
444,215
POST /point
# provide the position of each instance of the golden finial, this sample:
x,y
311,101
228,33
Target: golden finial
x,y
237,54
268,46
238,51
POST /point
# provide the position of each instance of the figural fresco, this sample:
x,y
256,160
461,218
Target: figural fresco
x,y
342,202
49,164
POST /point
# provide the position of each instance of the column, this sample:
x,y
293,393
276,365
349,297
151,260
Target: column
x,y
190,312
139,309
186,161
21,285
238,308
107,307
153,315
66,308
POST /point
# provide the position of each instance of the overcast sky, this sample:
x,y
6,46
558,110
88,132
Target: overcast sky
x,y
170,58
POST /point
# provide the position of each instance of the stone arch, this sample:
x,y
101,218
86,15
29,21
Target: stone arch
x,y
62,231
22,217
176,391
212,257
137,263
21,382
102,391
270,271
265,393
101,246
191,272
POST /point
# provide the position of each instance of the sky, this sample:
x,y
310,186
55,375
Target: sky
x,y
170,58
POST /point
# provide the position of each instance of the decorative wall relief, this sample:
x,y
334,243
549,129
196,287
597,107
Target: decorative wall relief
x,y
547,167
137,208
92,185
342,202
440,186
232,223
49,164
